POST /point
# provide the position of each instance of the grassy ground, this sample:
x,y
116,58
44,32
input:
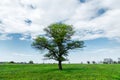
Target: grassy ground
x,y
69,72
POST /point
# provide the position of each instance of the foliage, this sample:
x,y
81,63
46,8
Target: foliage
x,y
93,62
12,62
31,62
88,62
58,42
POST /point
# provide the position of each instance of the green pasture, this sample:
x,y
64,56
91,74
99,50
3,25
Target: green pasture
x,y
51,72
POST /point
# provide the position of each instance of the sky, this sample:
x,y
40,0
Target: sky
x,y
96,22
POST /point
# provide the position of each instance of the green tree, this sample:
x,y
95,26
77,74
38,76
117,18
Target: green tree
x,y
57,41
31,62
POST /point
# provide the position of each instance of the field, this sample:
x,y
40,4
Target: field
x,y
69,72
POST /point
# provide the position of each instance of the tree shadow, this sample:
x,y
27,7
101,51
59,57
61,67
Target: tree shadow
x,y
64,69
71,69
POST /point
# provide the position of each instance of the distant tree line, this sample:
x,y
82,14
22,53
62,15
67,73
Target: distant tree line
x,y
13,62
105,61
111,61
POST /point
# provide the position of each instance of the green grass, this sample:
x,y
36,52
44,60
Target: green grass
x,y
69,72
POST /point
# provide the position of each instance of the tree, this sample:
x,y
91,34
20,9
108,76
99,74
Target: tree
x,y
108,61
88,62
57,41
114,62
93,62
118,60
31,62
12,62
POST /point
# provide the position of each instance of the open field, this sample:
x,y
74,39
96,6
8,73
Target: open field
x,y
69,72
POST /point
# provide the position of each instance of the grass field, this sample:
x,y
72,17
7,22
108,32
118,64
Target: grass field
x,y
69,72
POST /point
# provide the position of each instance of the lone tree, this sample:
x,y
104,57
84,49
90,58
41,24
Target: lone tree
x,y
57,41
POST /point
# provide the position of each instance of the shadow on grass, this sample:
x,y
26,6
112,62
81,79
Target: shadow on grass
x,y
72,69
64,70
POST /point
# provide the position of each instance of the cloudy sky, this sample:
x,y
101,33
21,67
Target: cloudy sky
x,y
97,22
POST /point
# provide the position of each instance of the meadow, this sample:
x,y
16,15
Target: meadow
x,y
51,72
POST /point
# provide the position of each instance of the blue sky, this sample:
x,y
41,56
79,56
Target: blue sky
x,y
97,49
95,21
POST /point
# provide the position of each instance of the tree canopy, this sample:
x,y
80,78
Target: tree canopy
x,y
57,41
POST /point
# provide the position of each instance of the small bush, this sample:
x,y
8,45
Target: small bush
x,y
12,62
31,62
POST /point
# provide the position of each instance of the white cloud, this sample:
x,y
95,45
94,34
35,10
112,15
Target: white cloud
x,y
108,22
83,16
5,37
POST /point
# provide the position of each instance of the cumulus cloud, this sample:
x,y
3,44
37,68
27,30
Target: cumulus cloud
x,y
91,18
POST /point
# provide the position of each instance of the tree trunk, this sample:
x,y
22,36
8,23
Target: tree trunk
x,y
60,65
